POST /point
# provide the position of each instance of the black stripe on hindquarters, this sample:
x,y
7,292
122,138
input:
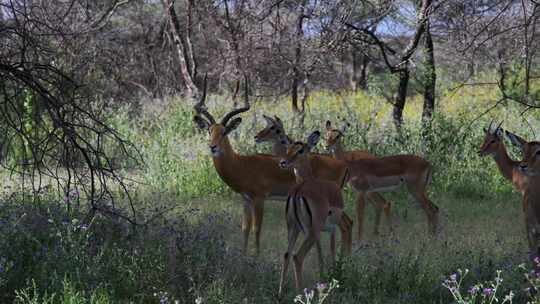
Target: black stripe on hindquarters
x,y
345,178
308,210
295,209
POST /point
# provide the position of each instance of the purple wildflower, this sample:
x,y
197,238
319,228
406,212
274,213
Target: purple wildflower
x,y
321,286
308,292
488,291
474,290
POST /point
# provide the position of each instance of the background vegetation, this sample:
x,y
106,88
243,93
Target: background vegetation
x,y
110,196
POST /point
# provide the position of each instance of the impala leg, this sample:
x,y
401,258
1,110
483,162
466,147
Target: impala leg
x,y
345,227
381,205
532,242
298,258
258,212
431,210
360,210
333,247
292,237
320,256
378,213
246,224
533,235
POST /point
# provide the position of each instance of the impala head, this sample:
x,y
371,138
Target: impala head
x,y
493,140
530,165
333,136
218,131
272,132
297,153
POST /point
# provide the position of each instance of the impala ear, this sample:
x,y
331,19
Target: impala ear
x,y
232,125
328,125
278,121
515,140
202,123
313,139
486,130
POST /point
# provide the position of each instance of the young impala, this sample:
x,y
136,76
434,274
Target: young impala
x,y
530,167
313,206
383,174
324,167
493,145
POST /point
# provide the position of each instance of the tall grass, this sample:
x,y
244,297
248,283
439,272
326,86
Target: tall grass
x,y
189,250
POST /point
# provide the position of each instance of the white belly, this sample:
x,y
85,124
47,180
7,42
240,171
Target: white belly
x,y
385,184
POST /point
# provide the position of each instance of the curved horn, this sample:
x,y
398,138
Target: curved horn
x,y
241,110
498,126
489,127
200,107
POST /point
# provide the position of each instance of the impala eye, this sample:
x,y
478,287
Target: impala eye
x,y
272,128
537,152
492,141
300,151
278,131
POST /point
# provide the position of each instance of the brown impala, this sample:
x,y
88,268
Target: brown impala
x,y
493,145
324,167
255,177
530,167
313,206
383,174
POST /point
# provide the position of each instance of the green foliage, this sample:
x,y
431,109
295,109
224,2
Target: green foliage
x,y
517,81
50,254
177,157
68,295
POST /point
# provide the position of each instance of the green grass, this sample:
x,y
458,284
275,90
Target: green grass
x,y
482,235
113,262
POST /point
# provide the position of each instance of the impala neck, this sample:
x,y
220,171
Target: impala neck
x,y
303,171
224,163
338,151
504,162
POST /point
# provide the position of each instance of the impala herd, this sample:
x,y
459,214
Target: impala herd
x,y
311,183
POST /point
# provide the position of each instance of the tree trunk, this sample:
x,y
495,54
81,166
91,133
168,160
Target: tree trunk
x,y
349,68
360,64
191,89
190,59
403,67
297,73
401,98
429,85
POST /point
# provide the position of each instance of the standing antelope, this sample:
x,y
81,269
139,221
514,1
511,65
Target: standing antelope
x,y
255,177
493,145
530,167
324,167
384,174
252,176
313,206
